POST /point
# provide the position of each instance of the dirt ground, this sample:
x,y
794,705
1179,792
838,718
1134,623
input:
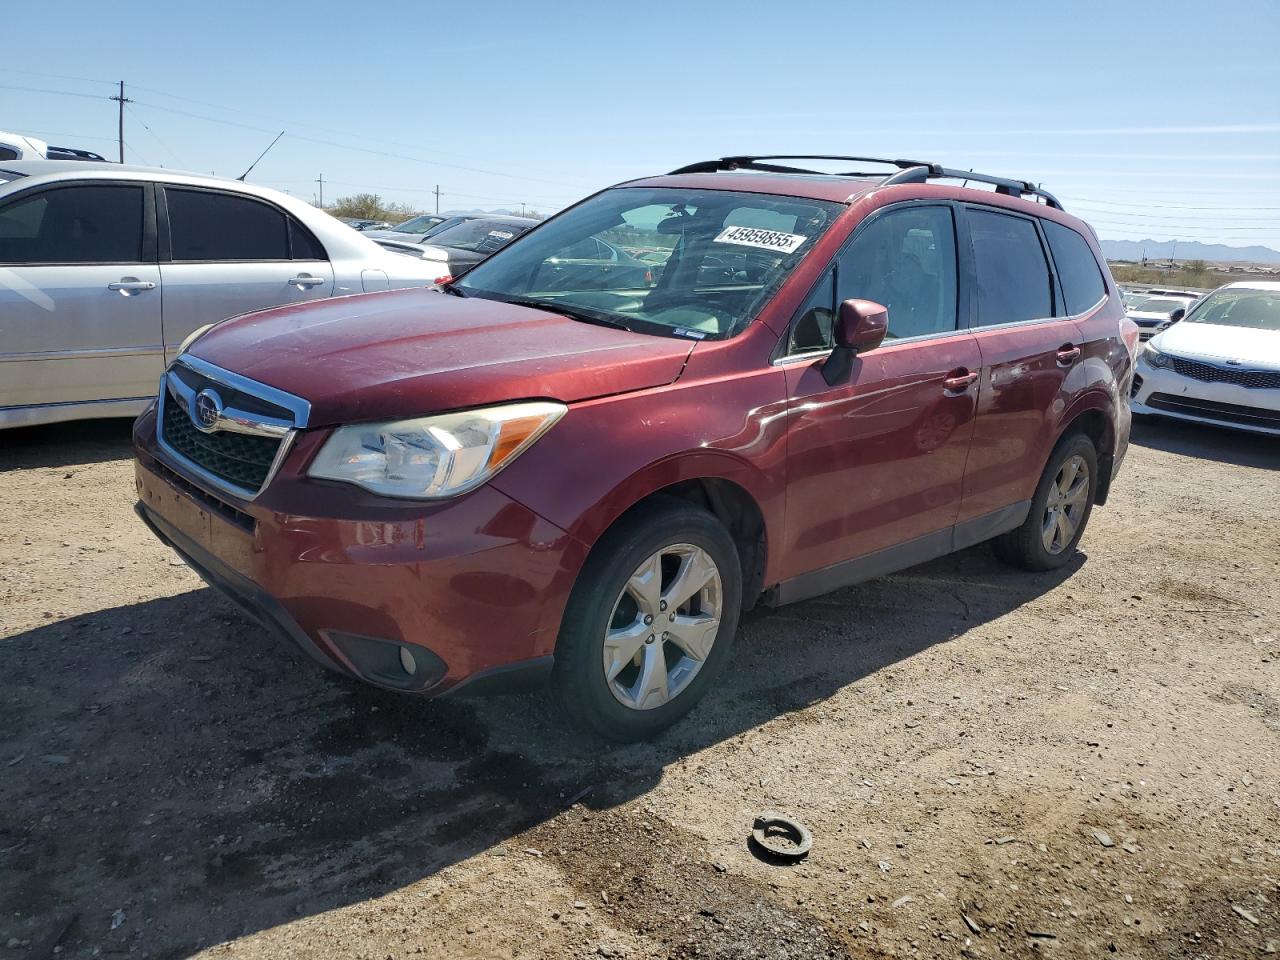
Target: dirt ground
x,y
992,763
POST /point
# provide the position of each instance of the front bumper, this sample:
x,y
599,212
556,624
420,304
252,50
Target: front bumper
x,y
1159,391
473,588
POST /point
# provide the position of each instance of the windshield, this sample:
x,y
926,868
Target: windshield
x,y
682,262
1255,309
1160,305
481,236
418,224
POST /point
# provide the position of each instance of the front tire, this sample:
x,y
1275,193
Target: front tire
x,y
650,622
1059,511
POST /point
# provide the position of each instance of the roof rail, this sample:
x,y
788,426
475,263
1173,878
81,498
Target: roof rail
x,y
909,171
753,163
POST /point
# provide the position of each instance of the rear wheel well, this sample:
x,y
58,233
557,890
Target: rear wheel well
x,y
1096,425
734,507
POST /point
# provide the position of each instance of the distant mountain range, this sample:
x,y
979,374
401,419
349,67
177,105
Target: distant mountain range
x,y
1186,250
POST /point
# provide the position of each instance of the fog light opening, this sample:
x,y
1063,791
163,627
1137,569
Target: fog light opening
x,y
406,660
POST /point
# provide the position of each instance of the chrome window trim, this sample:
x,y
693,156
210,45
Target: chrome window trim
x,y
920,338
231,420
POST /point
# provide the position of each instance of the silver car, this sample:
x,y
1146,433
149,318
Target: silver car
x,y
106,269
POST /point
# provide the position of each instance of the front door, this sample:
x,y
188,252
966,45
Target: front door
x,y
79,296
1028,353
876,463
224,254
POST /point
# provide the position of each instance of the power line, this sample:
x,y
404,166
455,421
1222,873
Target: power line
x,y
61,93
133,113
1169,206
57,76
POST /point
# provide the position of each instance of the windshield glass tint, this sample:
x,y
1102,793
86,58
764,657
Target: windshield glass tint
x,y
483,236
1255,309
418,224
1161,306
689,262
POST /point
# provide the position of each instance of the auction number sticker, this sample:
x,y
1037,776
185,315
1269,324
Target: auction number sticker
x,y
501,234
765,239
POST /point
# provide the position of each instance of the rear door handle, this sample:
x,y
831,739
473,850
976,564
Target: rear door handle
x,y
130,285
1068,354
306,280
958,381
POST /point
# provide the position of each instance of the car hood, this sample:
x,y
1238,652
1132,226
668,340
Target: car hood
x,y
1256,348
418,351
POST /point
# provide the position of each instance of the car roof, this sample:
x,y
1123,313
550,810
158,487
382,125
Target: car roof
x,y
850,189
1252,285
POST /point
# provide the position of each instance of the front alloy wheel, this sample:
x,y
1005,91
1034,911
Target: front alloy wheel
x,y
650,622
663,626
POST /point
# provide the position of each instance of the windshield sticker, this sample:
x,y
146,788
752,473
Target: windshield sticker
x,y
765,239
686,332
501,234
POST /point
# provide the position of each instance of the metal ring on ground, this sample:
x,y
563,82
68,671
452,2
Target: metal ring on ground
x,y
799,835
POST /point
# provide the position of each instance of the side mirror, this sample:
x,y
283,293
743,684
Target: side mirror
x,y
860,326
1177,315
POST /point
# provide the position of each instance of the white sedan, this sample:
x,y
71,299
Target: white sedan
x,y
1218,365
106,269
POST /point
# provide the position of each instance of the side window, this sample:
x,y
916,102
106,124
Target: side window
x,y
906,260
217,226
91,224
812,329
8,153
303,244
1013,277
1078,271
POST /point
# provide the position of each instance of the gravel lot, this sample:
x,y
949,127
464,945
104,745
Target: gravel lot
x,y
991,762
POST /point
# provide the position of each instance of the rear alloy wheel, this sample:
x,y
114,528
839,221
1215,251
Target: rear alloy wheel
x,y
1066,505
650,621
1059,509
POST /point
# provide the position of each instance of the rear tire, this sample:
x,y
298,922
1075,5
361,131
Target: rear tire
x,y
1059,511
628,677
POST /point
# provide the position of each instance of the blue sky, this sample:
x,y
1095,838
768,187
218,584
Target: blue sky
x,y
1150,120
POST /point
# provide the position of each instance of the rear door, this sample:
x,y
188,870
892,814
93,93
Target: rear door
x,y
223,254
877,462
79,295
1029,349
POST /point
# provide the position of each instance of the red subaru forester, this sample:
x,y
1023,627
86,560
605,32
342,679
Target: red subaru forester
x,y
559,466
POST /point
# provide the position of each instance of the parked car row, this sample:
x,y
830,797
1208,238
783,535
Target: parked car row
x,y
455,247
1220,364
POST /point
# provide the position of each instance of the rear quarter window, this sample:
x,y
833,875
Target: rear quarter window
x,y
1078,270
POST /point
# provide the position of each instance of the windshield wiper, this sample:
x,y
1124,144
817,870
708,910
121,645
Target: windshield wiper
x,y
452,288
569,312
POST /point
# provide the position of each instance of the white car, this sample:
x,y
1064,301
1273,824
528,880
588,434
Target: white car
x,y
106,269
1220,364
1155,314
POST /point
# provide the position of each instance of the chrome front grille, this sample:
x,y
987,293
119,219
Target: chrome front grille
x,y
1212,373
231,432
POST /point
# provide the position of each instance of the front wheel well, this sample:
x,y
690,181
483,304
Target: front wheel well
x,y
734,507
1096,425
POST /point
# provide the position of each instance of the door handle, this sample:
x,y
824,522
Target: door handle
x,y
306,280
958,381
1068,354
130,285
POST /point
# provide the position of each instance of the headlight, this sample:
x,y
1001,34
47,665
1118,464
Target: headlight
x,y
1155,357
432,458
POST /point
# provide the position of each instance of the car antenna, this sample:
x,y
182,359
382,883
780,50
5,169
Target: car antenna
x,y
260,156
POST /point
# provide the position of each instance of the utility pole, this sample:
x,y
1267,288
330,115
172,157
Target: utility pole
x,y
522,208
320,180
122,100
436,191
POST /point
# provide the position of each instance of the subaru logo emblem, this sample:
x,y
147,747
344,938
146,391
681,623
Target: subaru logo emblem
x,y
208,410
1233,363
